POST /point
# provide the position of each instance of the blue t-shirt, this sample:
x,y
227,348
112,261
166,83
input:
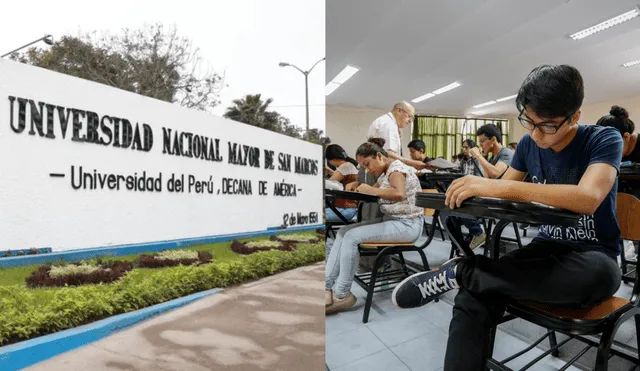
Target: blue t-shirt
x,y
592,144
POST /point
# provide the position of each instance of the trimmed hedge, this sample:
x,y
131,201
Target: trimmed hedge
x,y
21,318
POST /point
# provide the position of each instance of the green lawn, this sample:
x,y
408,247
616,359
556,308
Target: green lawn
x,y
26,312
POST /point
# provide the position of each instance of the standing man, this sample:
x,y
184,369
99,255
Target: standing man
x,y
389,126
489,139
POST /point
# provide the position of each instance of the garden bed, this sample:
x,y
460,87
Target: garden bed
x,y
296,237
27,313
171,258
252,247
75,274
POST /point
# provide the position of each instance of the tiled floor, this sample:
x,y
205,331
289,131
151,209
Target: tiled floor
x,y
402,340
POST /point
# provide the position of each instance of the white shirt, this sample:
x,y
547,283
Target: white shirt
x,y
386,127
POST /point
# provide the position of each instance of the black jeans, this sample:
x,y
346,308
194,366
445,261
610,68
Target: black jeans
x,y
547,272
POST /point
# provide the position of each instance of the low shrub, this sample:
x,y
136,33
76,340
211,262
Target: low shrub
x,y
76,274
251,247
22,317
171,258
296,237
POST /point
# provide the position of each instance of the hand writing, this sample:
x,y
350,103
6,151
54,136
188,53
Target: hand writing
x,y
365,188
352,187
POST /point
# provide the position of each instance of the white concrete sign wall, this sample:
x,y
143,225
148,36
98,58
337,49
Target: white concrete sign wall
x,y
86,165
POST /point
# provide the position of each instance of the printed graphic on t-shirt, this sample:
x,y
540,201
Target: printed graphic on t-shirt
x,y
585,231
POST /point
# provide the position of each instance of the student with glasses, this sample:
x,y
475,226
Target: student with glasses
x,y
572,167
469,165
490,140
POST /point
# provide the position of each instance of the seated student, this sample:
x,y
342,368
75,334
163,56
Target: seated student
x,y
417,151
397,187
618,117
573,167
345,173
490,139
470,166
328,168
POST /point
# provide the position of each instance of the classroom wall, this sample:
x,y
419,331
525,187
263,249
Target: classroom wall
x,y
86,165
348,126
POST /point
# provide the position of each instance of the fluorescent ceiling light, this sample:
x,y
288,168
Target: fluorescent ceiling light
x,y
423,97
485,104
632,63
446,88
345,74
330,88
340,79
606,24
506,98
435,92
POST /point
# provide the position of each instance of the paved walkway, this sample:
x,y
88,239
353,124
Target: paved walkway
x,y
276,323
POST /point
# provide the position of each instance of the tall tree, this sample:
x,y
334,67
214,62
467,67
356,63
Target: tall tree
x,y
151,61
252,110
313,136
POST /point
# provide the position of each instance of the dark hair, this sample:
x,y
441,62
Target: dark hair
x,y
470,143
618,117
460,156
513,143
372,147
325,141
551,91
335,152
418,145
490,131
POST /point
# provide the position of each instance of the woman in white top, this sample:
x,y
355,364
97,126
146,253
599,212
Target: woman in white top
x,y
402,220
345,173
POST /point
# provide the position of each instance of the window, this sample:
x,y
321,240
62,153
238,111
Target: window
x,y
443,136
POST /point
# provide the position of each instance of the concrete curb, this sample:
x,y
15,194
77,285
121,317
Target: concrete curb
x,y
90,253
20,355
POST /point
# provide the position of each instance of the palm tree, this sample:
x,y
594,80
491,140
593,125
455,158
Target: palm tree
x,y
252,110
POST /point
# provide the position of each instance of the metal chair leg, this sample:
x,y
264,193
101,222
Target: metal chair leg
x,y
553,341
439,226
515,229
371,287
403,263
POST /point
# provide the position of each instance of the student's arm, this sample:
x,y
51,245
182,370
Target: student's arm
x,y
515,175
604,151
410,162
397,181
583,198
490,171
337,176
328,170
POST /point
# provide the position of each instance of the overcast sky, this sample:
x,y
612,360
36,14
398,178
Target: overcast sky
x,y
244,38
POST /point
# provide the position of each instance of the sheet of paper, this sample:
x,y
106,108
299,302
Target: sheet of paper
x,y
442,163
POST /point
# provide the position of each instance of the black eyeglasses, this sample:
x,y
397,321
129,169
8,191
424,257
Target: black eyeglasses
x,y
406,113
548,127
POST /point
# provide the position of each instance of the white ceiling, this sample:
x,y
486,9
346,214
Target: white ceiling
x,y
407,48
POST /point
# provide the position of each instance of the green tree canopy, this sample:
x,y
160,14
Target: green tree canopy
x,y
151,61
